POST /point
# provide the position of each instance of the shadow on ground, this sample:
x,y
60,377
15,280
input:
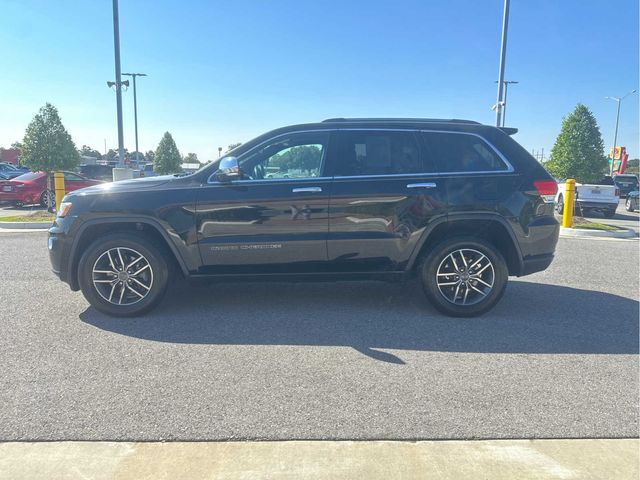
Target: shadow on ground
x,y
531,318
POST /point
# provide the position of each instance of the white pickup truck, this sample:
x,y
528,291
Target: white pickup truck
x,y
603,196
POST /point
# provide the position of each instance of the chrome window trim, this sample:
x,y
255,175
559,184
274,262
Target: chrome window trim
x,y
269,181
509,169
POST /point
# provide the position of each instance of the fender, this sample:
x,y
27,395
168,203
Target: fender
x,y
456,217
151,222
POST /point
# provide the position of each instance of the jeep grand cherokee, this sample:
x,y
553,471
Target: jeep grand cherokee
x,y
459,205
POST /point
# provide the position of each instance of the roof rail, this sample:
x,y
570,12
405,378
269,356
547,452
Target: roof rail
x,y
400,120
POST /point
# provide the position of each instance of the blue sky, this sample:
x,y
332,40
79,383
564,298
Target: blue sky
x,y
226,71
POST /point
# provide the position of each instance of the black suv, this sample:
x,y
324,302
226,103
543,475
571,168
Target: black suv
x,y
458,204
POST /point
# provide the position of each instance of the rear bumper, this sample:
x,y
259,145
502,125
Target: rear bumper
x,y
597,205
19,196
536,263
538,245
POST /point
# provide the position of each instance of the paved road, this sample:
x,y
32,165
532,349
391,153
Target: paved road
x,y
557,358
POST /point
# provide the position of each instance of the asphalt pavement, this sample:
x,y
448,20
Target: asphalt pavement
x,y
557,358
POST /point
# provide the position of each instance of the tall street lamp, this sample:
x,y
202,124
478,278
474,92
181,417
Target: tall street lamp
x,y
615,136
135,109
503,54
118,83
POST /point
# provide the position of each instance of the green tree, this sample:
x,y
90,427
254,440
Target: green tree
x,y
112,155
47,146
141,156
579,150
167,159
633,166
232,146
150,156
191,158
87,151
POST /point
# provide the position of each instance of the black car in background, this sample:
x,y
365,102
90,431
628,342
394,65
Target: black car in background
x,y
456,204
626,183
97,172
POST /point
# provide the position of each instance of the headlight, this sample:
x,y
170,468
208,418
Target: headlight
x,y
64,209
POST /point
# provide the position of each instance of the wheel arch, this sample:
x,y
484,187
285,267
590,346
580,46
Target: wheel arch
x,y
91,230
491,228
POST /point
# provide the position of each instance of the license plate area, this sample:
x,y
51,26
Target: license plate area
x,y
6,188
595,191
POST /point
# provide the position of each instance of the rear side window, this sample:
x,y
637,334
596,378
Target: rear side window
x,y
460,152
361,153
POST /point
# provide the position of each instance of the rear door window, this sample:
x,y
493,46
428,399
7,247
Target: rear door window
x,y
462,153
366,153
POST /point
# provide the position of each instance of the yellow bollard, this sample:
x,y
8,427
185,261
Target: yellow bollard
x,y
569,200
59,187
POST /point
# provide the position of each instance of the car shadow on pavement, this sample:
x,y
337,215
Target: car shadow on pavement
x,y
531,318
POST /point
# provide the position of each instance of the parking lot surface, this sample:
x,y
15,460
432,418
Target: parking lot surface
x,y
558,357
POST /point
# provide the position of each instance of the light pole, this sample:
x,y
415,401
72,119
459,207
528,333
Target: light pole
x,y
503,55
135,109
118,83
504,103
615,136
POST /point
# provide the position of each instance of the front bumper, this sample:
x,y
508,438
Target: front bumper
x,y
59,247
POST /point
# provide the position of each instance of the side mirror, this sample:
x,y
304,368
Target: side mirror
x,y
228,170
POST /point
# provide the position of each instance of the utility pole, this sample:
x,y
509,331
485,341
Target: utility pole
x,y
503,54
118,83
615,136
135,108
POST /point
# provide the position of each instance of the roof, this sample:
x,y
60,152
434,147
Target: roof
x,y
399,120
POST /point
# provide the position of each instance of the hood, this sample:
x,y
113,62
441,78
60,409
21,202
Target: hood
x,y
126,185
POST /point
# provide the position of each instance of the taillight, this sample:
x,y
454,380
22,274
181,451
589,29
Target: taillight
x,y
547,189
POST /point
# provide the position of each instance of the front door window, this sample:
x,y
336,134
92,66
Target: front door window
x,y
297,156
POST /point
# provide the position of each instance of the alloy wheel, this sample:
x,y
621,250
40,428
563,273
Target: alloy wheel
x,y
122,276
465,277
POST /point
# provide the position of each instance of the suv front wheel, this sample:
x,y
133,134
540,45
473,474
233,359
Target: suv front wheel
x,y
464,276
123,275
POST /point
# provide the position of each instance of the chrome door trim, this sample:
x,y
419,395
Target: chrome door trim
x,y
422,185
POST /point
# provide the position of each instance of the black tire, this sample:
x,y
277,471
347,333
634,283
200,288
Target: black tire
x,y
438,256
609,213
628,205
43,198
560,205
127,242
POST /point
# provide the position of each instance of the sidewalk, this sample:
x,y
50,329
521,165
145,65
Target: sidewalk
x,y
372,460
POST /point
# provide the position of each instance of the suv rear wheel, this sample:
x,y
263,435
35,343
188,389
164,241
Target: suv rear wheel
x,y
123,275
464,276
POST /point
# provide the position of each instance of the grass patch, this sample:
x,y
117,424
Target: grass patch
x,y
597,226
39,216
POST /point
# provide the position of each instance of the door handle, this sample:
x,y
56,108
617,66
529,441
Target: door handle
x,y
422,185
307,190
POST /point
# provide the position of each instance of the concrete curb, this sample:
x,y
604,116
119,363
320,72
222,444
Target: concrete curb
x,y
323,460
584,232
26,225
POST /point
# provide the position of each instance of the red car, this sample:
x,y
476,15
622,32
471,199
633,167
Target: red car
x,y
31,188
